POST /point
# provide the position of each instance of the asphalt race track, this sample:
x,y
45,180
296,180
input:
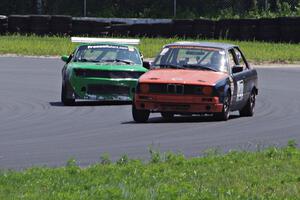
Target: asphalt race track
x,y
36,129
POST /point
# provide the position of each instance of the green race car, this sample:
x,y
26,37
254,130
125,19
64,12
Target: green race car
x,y
101,69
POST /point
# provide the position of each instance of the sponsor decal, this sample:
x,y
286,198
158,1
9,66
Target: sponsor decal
x,y
231,85
107,46
195,47
177,79
240,90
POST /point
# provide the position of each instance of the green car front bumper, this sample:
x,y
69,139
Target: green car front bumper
x,y
103,89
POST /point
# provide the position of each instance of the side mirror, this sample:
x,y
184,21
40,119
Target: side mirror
x,y
237,69
64,58
147,64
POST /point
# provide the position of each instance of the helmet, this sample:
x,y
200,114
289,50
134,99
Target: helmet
x,y
216,59
122,55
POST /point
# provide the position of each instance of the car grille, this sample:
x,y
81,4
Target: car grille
x,y
108,89
178,107
107,74
175,89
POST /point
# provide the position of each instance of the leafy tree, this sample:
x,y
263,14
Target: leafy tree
x,y
157,8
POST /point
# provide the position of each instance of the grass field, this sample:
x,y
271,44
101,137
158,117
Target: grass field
x,y
55,46
269,174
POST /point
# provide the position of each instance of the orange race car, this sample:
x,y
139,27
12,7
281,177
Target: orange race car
x,y
196,78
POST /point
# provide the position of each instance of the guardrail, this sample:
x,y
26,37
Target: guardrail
x,y
285,29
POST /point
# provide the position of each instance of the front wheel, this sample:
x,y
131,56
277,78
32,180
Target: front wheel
x,y
140,116
248,109
224,115
67,101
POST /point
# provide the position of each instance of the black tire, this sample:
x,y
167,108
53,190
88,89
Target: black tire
x,y
248,109
3,24
119,30
224,115
81,26
140,116
61,24
67,101
18,23
100,28
39,24
167,116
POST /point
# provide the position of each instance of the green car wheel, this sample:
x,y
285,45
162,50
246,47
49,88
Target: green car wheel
x,y
67,101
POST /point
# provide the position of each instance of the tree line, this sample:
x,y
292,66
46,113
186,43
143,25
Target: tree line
x,y
213,9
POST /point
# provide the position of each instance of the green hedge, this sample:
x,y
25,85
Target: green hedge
x,y
157,8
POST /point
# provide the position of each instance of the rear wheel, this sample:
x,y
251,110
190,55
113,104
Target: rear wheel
x,y
224,115
248,109
140,116
67,101
167,116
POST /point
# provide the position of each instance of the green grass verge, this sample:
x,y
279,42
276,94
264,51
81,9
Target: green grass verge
x,y
269,174
53,46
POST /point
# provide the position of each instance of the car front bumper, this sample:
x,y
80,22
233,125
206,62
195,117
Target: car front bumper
x,y
178,103
103,89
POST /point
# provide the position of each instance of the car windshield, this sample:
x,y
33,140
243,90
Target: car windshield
x,y
191,57
105,53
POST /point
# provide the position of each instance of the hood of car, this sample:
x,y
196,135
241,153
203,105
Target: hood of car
x,y
107,66
182,76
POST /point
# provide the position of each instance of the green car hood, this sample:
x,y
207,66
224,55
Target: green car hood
x,y
107,66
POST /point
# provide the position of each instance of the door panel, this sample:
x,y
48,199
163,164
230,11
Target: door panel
x,y
242,88
241,80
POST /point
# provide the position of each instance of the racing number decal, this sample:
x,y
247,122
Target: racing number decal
x,y
231,85
240,90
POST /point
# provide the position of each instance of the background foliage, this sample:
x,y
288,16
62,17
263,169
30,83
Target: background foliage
x,y
157,8
256,52
271,174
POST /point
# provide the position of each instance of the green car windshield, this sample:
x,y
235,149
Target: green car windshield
x,y
108,53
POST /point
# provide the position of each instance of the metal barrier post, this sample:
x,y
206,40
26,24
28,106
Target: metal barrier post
x,y
84,8
174,8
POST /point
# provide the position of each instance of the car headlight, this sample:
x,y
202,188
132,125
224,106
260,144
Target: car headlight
x,y
144,88
207,91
